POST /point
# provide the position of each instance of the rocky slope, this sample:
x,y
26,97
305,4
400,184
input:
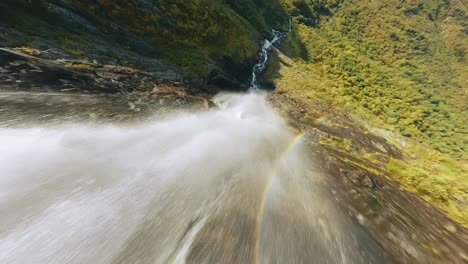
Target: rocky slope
x,y
201,42
352,158
354,165
399,68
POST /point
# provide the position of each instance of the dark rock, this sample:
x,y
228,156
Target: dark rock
x,y
144,48
367,182
147,6
222,81
72,21
358,177
47,73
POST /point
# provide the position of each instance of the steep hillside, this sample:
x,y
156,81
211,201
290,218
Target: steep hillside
x,y
396,65
215,40
401,62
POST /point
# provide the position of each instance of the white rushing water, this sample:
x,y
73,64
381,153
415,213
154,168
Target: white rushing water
x,y
187,189
266,47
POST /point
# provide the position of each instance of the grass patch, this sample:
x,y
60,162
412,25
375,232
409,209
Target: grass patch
x,y
438,181
405,81
75,52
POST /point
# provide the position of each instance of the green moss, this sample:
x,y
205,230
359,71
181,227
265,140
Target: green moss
x,y
25,15
361,165
193,63
400,68
404,81
436,178
128,64
75,52
191,34
340,143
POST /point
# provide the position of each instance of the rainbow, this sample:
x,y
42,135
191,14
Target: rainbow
x,y
266,190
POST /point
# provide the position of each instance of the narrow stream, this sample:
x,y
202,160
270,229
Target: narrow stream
x,y
266,47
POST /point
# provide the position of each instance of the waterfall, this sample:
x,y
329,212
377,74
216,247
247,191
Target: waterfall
x,y
266,47
226,185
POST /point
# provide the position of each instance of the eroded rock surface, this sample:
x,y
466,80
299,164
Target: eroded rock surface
x,y
410,229
35,89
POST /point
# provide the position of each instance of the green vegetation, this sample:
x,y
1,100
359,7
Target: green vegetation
x,y
397,65
25,15
395,69
436,178
191,34
75,52
195,35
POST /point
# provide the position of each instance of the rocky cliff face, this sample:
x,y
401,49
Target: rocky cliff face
x,y
213,43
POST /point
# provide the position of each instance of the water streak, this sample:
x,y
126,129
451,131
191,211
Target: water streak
x,y
266,47
186,189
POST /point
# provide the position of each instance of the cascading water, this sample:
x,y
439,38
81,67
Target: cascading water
x,y
229,185
266,47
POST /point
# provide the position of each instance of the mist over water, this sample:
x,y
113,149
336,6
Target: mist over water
x,y
221,186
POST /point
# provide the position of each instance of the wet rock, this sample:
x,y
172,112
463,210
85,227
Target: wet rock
x,y
54,74
450,227
72,21
367,182
144,48
410,229
218,79
147,5
358,177
361,219
144,92
381,158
